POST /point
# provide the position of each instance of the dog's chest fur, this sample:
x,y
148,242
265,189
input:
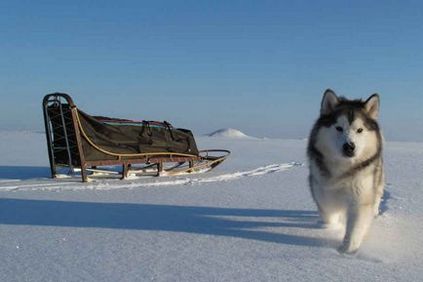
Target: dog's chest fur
x,y
357,186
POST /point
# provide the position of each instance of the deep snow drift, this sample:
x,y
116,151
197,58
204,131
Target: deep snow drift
x,y
251,219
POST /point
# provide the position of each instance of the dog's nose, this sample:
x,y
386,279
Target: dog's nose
x,y
349,146
349,149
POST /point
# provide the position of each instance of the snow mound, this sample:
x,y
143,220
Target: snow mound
x,y
228,133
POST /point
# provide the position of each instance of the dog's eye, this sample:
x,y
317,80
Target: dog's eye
x,y
338,128
359,130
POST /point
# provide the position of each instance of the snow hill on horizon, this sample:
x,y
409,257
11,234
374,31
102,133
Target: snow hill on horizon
x,y
228,133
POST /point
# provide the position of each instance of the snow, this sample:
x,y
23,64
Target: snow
x,y
228,133
250,219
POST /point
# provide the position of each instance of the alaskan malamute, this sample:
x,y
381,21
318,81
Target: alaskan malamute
x,y
346,167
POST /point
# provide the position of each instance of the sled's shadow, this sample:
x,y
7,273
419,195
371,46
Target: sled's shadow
x,y
24,172
240,223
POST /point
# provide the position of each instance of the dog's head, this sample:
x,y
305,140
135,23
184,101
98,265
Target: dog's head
x,y
348,128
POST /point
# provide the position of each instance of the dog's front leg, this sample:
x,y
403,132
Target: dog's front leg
x,y
359,218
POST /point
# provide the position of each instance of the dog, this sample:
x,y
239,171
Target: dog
x,y
346,165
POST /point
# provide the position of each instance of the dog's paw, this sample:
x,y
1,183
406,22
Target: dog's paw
x,y
346,249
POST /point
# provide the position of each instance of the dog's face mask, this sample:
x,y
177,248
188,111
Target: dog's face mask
x,y
351,138
350,132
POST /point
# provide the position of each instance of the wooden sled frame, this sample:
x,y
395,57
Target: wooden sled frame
x,y
65,125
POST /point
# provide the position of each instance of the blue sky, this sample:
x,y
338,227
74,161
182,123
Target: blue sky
x,y
257,66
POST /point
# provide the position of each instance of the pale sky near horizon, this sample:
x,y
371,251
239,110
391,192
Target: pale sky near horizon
x,y
258,66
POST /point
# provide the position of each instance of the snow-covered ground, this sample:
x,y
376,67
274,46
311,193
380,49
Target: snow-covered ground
x,y
251,219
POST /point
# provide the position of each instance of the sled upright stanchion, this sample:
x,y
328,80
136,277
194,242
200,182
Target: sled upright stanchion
x,y
76,140
79,144
159,168
48,132
62,132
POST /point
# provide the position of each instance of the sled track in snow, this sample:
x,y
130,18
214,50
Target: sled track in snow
x,y
111,184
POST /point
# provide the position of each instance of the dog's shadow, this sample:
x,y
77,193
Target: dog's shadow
x,y
254,224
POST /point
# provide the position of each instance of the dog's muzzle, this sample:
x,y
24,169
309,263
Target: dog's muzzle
x,y
349,149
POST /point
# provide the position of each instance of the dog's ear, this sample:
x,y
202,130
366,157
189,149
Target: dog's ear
x,y
372,106
329,102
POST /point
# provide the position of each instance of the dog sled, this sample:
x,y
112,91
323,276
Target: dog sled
x,y
95,145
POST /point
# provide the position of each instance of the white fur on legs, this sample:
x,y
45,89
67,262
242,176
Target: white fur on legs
x,y
359,219
331,218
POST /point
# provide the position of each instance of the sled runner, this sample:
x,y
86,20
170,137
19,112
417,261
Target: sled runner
x,y
94,144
